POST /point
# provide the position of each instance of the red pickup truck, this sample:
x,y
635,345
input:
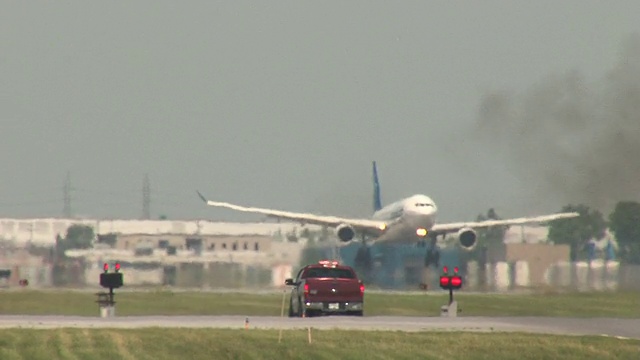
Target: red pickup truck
x,y
326,287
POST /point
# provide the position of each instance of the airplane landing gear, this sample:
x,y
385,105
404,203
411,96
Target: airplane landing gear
x,y
432,257
364,261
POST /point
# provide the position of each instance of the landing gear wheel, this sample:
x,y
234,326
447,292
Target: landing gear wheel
x,y
432,257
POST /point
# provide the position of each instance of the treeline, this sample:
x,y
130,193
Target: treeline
x,y
623,223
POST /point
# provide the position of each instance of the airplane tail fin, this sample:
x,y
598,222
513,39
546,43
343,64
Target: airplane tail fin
x,y
377,200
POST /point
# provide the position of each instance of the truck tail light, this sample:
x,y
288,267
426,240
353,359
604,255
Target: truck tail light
x,y
306,289
361,289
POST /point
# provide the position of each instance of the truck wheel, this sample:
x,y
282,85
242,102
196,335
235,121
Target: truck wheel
x,y
291,314
301,310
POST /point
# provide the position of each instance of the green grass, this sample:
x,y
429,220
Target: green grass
x,y
621,304
158,344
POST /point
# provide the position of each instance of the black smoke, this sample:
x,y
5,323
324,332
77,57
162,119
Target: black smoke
x,y
570,140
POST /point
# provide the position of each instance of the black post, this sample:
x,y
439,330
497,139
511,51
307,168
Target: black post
x,y
450,295
111,296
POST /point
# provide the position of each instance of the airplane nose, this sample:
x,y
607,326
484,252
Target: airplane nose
x,y
427,211
430,221
425,218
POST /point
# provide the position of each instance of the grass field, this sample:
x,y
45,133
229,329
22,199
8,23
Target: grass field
x,y
621,304
158,344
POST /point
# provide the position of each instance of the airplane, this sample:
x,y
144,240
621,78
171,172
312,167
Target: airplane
x,y
408,220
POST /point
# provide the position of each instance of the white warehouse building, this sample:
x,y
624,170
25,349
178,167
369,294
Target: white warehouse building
x,y
43,231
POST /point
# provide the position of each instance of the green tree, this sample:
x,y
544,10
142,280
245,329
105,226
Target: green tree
x,y
68,271
576,232
625,224
80,237
77,237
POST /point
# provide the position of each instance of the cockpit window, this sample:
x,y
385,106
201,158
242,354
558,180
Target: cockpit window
x,y
423,204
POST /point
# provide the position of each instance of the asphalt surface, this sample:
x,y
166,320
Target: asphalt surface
x,y
622,328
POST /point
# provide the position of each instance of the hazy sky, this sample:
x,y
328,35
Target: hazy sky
x,y
277,104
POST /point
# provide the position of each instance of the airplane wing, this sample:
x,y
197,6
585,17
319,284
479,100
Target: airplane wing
x,y
362,225
453,227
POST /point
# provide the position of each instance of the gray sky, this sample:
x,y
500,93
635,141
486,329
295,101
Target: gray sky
x,y
277,104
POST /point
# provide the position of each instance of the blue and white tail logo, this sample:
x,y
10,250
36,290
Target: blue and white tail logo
x,y
377,200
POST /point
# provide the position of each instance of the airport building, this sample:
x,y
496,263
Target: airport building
x,y
43,231
173,243
179,253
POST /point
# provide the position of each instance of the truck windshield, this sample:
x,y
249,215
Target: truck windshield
x,y
329,273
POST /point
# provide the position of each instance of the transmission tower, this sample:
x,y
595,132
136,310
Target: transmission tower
x,y
146,198
66,212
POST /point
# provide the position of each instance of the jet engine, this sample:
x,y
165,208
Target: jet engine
x,y
467,238
345,232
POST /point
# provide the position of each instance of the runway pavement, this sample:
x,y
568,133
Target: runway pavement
x,y
624,328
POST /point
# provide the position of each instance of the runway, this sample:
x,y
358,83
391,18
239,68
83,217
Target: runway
x,y
623,328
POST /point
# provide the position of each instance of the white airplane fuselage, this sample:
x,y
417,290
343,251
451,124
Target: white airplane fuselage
x,y
407,219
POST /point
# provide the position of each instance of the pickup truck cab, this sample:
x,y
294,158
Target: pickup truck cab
x,y
326,288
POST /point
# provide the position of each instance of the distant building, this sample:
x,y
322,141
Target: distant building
x,y
539,257
526,234
197,243
43,231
